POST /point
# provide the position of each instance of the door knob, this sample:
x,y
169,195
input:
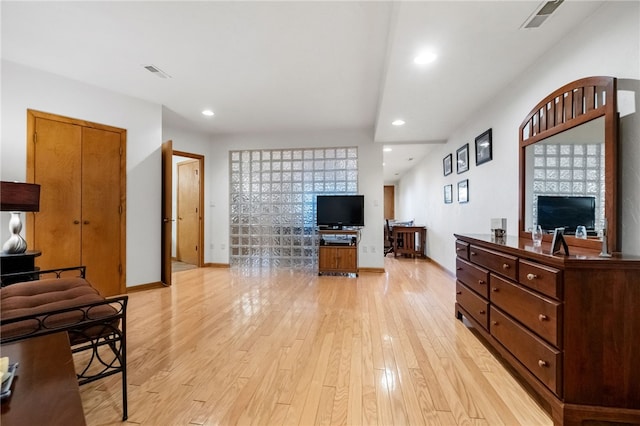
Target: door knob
x,y
76,222
86,222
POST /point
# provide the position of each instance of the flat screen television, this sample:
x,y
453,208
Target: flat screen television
x,y
338,211
566,212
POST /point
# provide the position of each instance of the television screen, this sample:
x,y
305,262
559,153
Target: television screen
x,y
337,211
566,212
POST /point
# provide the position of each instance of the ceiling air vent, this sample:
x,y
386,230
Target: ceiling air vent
x,y
156,71
535,20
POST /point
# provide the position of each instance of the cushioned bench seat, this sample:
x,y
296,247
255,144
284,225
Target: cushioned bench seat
x,y
35,298
68,303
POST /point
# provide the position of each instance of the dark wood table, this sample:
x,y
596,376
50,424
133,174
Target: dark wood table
x,y
45,389
409,240
18,262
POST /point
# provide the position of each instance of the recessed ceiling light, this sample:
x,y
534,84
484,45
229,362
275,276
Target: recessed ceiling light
x,y
398,122
425,57
208,113
387,149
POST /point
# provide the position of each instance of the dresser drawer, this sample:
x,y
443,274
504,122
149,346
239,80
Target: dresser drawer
x,y
501,263
475,305
538,357
473,277
462,249
538,314
541,278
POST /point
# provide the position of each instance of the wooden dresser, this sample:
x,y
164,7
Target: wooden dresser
x,y
569,325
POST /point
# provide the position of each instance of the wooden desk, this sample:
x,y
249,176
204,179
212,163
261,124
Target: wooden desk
x,y
409,240
45,389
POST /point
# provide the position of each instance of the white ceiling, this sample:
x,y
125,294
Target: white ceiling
x,y
279,66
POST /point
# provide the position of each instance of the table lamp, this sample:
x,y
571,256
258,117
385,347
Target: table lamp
x,y
18,197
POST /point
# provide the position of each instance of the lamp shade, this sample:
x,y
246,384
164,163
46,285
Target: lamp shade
x,y
19,197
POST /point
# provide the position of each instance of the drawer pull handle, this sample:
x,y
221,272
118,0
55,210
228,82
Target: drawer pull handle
x,y
458,269
481,282
458,292
458,249
473,253
505,266
531,277
495,289
543,317
494,322
482,312
542,363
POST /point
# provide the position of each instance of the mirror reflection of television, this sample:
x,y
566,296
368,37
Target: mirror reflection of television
x,y
566,212
338,211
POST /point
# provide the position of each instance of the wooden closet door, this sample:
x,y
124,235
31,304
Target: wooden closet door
x,y
57,168
188,230
101,214
82,219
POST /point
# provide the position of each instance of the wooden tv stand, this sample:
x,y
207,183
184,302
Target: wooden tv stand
x,y
569,325
338,251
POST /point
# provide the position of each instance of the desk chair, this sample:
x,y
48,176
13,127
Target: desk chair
x,y
389,240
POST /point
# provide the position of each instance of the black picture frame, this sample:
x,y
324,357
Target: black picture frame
x,y
559,242
463,191
448,193
447,165
462,159
484,148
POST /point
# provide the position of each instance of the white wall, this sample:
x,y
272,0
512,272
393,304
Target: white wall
x,y
370,184
26,88
607,43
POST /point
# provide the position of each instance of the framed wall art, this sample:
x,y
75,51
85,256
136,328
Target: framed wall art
x,y
484,148
448,194
447,165
463,191
462,159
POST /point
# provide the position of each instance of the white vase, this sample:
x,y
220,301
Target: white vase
x,y
15,243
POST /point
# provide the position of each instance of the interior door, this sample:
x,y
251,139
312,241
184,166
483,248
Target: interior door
x,y
167,209
389,202
101,209
188,238
81,168
56,147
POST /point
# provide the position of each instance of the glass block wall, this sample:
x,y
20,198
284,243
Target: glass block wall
x,y
569,169
273,202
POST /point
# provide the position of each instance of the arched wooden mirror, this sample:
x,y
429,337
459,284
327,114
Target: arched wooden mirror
x,y
568,150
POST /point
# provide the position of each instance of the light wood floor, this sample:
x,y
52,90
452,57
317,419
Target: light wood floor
x,y
277,347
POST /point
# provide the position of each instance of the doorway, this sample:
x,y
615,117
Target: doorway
x,y
187,245
389,202
183,233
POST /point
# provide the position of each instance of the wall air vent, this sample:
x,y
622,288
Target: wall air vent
x,y
537,18
156,71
